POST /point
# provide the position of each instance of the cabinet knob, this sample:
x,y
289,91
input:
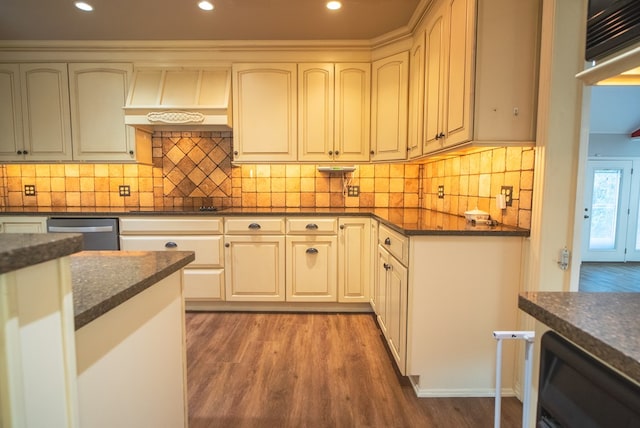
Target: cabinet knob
x,y
170,244
312,250
311,226
235,153
372,152
342,226
19,152
337,152
387,241
386,266
227,245
131,152
254,226
330,152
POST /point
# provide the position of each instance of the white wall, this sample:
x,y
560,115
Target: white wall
x,y
614,145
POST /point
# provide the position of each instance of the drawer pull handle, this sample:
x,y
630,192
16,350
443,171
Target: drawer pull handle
x,y
312,251
311,226
171,244
254,226
387,241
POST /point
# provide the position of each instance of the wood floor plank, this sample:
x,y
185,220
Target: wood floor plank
x,y
311,370
610,277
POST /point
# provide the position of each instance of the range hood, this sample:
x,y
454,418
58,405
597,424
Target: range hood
x,y
186,99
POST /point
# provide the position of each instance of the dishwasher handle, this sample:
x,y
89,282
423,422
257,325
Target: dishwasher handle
x,y
80,229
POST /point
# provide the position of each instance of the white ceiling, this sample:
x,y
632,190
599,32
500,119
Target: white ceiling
x,y
183,20
614,109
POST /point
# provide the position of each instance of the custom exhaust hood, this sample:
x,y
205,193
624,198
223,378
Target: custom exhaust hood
x,y
186,99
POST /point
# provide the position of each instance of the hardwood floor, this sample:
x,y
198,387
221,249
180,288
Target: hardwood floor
x,y
311,370
611,277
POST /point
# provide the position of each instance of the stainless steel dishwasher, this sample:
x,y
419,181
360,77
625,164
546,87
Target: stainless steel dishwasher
x,y
98,233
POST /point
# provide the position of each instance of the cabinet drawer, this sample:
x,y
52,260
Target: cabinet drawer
x,y
312,225
395,243
254,225
208,249
164,225
204,284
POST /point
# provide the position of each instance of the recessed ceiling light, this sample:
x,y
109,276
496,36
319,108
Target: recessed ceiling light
x,y
205,5
334,5
84,6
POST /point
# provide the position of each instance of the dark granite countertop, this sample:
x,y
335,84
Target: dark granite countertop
x,y
103,280
20,250
604,324
408,221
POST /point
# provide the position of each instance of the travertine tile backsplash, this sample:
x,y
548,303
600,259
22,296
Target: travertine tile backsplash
x,y
191,169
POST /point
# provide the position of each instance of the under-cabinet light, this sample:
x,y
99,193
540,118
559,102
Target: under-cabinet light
x,y
205,5
83,6
334,5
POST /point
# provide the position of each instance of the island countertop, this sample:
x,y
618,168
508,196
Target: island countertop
x,y
20,250
604,324
102,280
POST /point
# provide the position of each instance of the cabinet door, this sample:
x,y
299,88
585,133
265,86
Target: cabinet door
x,y
354,263
460,54
264,112
311,268
416,97
203,284
396,313
97,93
382,279
45,111
23,224
315,112
352,112
373,266
389,94
434,74
11,142
255,268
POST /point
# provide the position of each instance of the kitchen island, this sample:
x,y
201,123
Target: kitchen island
x,y
600,325
90,338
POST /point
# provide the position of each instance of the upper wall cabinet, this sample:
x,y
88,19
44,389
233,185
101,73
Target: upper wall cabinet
x,y
480,73
416,96
389,95
264,112
333,112
34,112
98,129
11,141
65,112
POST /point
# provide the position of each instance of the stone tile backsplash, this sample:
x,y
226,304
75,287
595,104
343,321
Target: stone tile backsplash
x,y
191,169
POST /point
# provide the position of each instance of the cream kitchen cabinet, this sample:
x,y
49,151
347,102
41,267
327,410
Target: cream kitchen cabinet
x,y
11,141
312,256
23,224
389,105
67,112
264,112
333,112
45,114
98,92
204,277
438,298
392,289
416,97
354,259
255,259
480,74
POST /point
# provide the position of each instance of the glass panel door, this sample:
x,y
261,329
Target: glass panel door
x,y
606,212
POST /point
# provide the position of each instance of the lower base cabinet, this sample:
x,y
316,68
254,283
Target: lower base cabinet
x,y
311,269
255,268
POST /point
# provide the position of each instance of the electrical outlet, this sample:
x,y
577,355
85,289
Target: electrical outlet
x,y
507,191
353,191
440,192
124,190
29,190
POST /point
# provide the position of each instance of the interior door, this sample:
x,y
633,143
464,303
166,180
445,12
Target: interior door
x,y
606,212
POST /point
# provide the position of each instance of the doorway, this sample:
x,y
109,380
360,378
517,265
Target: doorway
x,y
610,226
